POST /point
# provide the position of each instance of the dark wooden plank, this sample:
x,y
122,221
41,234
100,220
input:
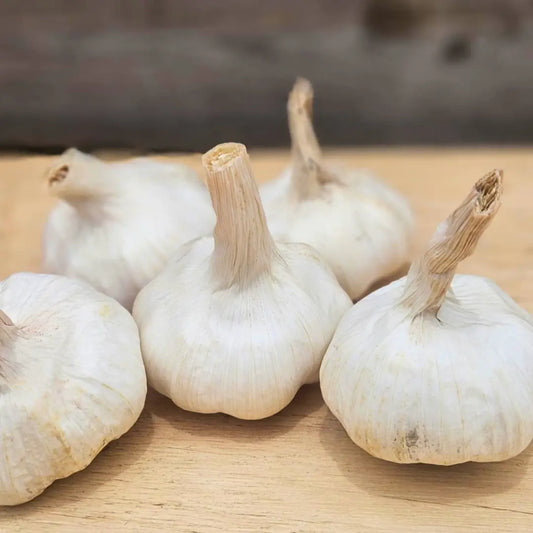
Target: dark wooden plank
x,y
185,75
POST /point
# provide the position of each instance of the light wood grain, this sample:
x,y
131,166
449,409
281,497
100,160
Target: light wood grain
x,y
297,471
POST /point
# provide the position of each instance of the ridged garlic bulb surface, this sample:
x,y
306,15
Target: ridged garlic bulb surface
x,y
361,227
118,223
236,323
436,368
71,380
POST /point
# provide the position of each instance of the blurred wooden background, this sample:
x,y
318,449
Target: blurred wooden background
x,y
180,75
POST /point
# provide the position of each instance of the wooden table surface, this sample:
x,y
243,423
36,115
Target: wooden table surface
x,y
296,471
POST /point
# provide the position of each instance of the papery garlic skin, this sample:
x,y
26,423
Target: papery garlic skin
x,y
361,227
237,324
118,223
241,352
71,380
440,390
440,386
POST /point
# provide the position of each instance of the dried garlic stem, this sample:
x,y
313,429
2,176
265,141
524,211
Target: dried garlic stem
x,y
77,177
244,248
430,277
306,153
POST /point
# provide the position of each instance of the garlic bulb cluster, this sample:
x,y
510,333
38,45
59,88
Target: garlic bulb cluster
x,y
361,227
118,223
437,368
237,323
71,380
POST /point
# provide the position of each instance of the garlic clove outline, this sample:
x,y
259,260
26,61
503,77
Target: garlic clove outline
x,y
361,227
435,367
71,380
118,223
237,323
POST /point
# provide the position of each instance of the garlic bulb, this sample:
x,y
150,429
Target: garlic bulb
x,y
236,323
118,223
71,380
360,226
436,368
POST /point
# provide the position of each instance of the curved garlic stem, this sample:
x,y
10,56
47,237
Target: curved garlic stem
x,y
306,153
430,277
77,177
244,248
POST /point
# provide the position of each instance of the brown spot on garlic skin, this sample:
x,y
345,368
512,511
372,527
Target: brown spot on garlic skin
x,y
405,447
411,439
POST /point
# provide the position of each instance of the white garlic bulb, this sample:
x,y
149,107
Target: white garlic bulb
x,y
361,227
71,379
118,223
236,323
436,368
